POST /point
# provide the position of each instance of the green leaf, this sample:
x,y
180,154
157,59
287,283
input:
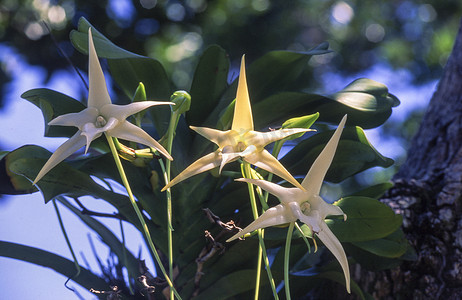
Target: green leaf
x,y
11,183
276,71
61,180
54,104
354,154
300,122
128,70
230,285
367,103
209,83
367,219
370,261
273,73
391,246
55,262
375,191
340,278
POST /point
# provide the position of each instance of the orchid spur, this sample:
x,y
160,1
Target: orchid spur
x,y
101,116
306,206
241,141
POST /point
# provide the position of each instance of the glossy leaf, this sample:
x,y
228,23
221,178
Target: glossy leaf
x,y
53,261
367,219
272,73
209,82
354,154
367,103
392,246
54,104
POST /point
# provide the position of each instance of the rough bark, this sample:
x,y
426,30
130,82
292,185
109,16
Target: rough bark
x,y
427,191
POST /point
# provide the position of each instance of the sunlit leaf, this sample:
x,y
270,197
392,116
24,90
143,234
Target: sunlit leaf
x,y
367,219
392,246
354,154
53,104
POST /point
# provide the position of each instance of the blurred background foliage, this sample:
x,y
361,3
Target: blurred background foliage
x,y
416,36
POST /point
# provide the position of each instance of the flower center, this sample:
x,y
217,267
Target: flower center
x,y
240,147
305,207
100,121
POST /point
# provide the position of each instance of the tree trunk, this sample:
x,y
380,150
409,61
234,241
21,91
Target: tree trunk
x,y
427,192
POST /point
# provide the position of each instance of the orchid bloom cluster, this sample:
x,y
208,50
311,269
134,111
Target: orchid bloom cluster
x,y
301,202
305,205
101,116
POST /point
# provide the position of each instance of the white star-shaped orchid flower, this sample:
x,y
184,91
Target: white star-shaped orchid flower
x,y
100,116
241,141
306,206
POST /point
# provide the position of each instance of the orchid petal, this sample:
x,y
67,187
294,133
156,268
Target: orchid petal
x,y
266,161
98,96
228,157
313,180
127,131
264,138
219,137
242,120
332,243
325,209
122,112
208,162
79,119
73,144
285,195
274,216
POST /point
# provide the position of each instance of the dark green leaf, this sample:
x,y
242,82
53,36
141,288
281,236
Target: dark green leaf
x,y
54,104
376,191
354,154
230,285
209,83
392,246
367,103
50,260
367,219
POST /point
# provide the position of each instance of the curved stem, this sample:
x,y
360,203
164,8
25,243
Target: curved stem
x,y
138,212
68,242
286,260
246,172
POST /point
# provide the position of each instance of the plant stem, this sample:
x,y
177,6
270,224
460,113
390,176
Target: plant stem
x,y
68,242
138,212
246,172
286,259
174,117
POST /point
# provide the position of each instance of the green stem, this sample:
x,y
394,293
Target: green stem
x,y
138,212
246,172
303,236
286,260
174,117
68,242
